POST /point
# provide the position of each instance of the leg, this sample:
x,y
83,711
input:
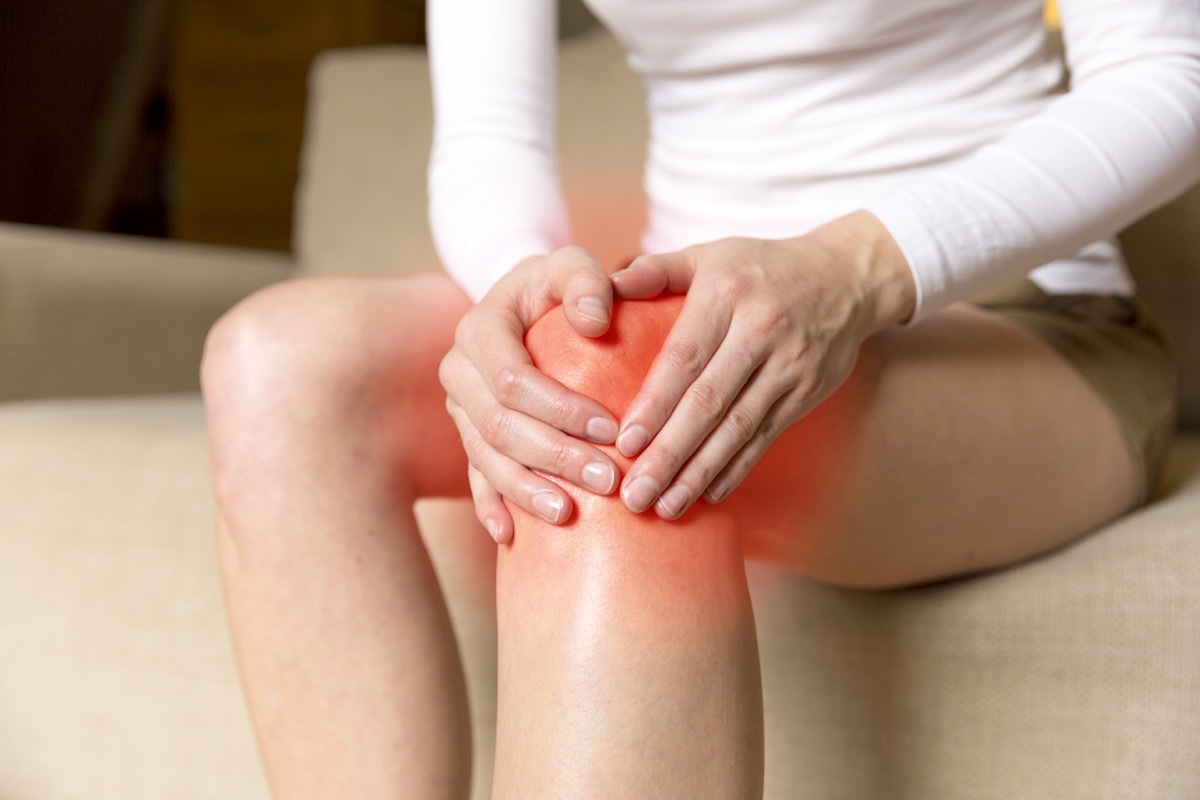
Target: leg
x,y
628,664
326,422
962,445
628,658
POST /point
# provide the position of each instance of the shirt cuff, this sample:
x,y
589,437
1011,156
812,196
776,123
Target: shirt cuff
x,y
926,260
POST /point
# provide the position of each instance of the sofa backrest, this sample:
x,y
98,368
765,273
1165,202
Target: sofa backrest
x,y
361,200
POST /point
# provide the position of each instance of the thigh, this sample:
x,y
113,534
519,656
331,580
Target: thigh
x,y
960,445
416,317
406,325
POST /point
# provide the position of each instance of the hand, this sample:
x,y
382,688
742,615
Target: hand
x,y
768,330
512,418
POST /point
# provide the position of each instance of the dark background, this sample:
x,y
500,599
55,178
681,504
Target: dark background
x,y
168,118
179,118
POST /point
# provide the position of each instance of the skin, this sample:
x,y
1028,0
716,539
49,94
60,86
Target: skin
x,y
327,422
753,320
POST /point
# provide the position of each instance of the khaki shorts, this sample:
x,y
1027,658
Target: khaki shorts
x,y
1117,347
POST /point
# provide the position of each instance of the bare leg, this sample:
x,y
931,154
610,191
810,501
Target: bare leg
x,y
628,658
628,664
962,445
627,648
326,422
957,446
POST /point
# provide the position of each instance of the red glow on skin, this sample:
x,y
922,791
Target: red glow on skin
x,y
795,487
608,209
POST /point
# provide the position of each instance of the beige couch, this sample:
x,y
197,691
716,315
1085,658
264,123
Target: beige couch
x,y
1076,676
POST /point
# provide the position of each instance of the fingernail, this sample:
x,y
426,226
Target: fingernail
x,y
493,529
639,493
600,477
632,440
592,308
548,505
673,500
717,491
601,430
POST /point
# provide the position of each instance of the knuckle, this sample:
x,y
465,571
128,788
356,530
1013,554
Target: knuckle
x,y
465,330
506,383
561,413
743,424
573,258
772,319
745,354
559,458
728,283
767,433
706,399
475,448
686,355
666,462
589,278
572,252
698,474
446,369
495,427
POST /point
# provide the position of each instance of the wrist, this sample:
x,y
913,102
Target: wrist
x,y
867,250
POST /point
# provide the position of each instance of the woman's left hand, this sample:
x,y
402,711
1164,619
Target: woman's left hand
x,y
768,330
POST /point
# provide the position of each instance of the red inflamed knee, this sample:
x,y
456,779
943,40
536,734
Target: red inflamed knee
x,y
796,480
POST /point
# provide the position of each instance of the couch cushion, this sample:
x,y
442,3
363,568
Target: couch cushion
x,y
119,679
1073,676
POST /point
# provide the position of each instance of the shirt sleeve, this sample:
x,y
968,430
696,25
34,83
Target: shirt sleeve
x,y
494,192
1124,140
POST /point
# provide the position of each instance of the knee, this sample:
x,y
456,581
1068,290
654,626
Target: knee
x,y
283,356
610,368
301,339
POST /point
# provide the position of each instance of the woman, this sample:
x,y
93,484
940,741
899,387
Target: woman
x,y
829,183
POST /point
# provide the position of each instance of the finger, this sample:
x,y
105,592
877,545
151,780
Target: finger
x,y
719,398
512,379
652,274
585,289
776,421
490,508
535,444
748,417
533,493
690,345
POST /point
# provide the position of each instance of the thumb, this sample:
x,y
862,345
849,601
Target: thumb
x,y
586,290
652,274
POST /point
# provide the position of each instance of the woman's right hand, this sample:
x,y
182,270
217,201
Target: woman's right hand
x,y
511,417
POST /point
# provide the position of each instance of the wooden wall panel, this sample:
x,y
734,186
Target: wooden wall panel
x,y
239,93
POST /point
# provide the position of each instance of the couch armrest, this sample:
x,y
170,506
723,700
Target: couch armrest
x,y
97,314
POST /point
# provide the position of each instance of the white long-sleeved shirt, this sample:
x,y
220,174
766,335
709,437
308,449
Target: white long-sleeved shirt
x,y
769,117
